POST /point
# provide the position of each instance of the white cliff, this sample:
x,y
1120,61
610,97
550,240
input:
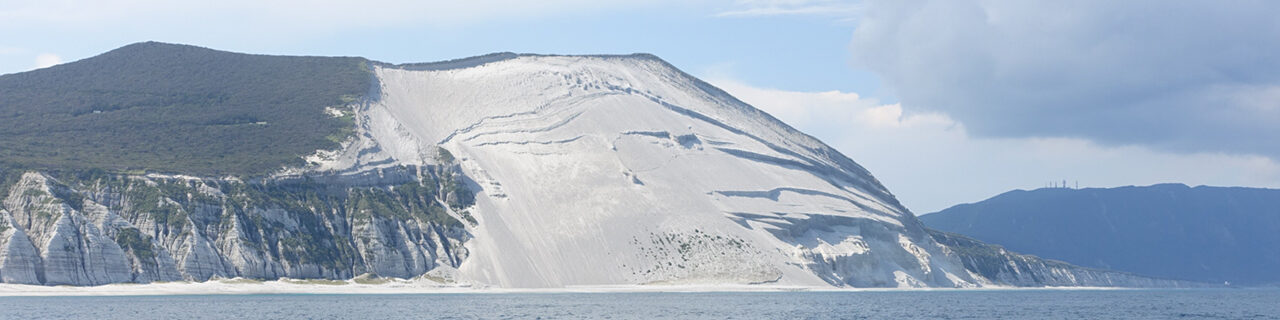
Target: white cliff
x,y
19,260
139,229
604,170
516,171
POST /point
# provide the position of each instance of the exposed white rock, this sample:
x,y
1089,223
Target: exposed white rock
x,y
45,240
589,171
19,260
623,170
72,249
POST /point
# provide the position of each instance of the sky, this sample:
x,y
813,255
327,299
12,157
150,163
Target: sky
x,y
944,101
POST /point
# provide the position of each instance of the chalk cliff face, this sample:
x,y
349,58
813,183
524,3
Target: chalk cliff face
x,y
112,229
514,171
1003,267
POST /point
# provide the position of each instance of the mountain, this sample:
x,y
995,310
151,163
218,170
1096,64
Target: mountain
x,y
1209,234
170,108
508,170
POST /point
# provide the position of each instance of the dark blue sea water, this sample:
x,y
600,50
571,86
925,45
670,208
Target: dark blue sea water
x,y
982,304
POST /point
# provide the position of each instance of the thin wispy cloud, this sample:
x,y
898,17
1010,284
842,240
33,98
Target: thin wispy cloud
x,y
792,8
80,29
779,11
292,16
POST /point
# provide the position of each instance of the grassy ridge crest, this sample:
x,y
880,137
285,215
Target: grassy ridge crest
x,y
157,107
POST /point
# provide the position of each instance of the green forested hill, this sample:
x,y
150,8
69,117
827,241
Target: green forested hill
x,y
178,109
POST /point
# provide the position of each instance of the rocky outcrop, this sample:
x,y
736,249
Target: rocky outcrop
x,y
19,260
1003,267
71,249
91,228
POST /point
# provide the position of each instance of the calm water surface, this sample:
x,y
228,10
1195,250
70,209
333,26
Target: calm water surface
x,y
1001,304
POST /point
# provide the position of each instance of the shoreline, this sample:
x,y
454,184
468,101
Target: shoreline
x,y
292,286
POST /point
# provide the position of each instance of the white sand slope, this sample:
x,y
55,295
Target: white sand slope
x,y
617,170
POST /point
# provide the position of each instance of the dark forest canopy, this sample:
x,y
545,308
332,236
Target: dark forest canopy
x,y
170,108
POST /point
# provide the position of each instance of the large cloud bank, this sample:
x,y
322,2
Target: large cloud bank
x,y
1184,76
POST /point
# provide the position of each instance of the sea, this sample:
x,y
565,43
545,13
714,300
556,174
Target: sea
x,y
937,304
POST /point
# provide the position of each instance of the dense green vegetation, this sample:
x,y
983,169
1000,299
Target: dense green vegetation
x,y
8,177
133,241
177,109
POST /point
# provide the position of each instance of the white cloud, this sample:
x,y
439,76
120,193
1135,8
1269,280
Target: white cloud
x,y
1183,76
755,8
930,161
1264,98
45,60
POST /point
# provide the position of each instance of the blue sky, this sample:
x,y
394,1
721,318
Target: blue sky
x,y
944,101
789,51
